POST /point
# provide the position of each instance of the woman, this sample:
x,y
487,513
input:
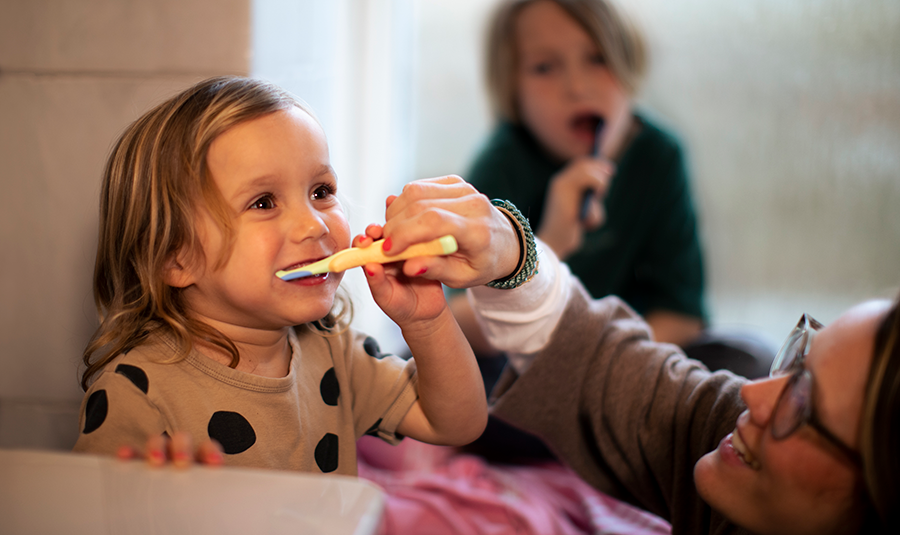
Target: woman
x,y
811,449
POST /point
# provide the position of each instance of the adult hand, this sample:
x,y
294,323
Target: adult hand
x,y
562,226
179,450
434,207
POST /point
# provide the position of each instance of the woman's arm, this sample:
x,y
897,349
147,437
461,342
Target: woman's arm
x,y
629,415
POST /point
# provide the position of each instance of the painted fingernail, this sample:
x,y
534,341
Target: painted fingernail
x,y
181,459
421,272
386,246
124,452
370,273
157,457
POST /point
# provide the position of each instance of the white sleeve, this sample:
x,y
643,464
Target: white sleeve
x,y
520,321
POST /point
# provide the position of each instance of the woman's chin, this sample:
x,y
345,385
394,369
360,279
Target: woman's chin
x,y
704,475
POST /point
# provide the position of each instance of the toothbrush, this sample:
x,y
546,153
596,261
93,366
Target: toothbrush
x,y
358,256
589,194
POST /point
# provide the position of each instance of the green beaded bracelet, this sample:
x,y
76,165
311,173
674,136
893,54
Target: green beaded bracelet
x,y
528,261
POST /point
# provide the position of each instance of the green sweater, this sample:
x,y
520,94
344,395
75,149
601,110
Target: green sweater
x,y
647,252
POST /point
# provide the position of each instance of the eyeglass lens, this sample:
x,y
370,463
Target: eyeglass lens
x,y
794,405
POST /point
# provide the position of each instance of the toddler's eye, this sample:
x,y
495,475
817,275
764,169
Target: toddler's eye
x,y
322,192
266,202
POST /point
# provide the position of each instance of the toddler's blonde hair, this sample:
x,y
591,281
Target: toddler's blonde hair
x,y
155,180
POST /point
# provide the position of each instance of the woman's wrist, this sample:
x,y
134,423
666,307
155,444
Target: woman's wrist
x,y
527,264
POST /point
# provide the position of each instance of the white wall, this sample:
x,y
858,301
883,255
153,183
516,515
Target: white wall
x,y
352,62
73,74
790,113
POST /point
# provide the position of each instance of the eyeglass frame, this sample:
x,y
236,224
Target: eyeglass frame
x,y
791,360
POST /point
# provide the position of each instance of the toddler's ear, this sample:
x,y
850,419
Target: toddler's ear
x,y
180,270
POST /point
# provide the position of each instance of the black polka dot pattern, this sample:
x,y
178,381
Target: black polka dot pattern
x,y
232,430
372,348
135,375
330,388
327,453
95,411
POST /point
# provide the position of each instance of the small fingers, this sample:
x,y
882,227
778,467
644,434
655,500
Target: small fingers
x,y
375,231
210,453
155,450
126,453
181,449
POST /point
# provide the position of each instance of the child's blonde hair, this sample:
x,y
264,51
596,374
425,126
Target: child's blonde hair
x,y
617,39
154,183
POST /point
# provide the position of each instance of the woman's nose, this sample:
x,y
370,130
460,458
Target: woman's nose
x,y
761,397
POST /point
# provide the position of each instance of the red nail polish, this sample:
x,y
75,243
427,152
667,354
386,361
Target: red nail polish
x,y
370,273
386,246
421,272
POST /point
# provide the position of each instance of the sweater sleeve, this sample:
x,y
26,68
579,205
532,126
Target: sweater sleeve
x,y
630,416
384,387
116,412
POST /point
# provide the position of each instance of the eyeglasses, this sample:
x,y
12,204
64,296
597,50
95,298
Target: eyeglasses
x,y
795,405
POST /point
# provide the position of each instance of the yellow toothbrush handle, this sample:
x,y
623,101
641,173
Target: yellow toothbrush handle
x,y
354,257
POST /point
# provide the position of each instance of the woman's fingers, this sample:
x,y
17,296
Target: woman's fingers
x,y
427,209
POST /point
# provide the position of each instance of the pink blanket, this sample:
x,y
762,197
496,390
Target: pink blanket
x,y
433,490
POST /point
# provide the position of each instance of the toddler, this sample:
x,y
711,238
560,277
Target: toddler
x,y
204,199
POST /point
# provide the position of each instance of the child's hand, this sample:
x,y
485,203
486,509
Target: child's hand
x,y
434,207
404,298
562,226
178,450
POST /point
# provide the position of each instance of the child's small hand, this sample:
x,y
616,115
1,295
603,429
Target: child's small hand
x,y
562,226
178,450
404,298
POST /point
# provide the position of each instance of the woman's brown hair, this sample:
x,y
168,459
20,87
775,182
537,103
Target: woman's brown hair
x,y
154,181
615,36
880,439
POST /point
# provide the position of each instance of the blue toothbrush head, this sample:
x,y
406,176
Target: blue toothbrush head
x,y
292,275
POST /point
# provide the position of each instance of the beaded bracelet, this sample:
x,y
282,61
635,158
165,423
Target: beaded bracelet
x,y
527,265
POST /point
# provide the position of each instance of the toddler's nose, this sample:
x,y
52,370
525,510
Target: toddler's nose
x,y
308,224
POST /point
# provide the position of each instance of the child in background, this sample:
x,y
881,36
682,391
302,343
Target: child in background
x,y
204,199
555,68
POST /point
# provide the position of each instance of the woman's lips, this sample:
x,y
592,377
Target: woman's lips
x,y
734,451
